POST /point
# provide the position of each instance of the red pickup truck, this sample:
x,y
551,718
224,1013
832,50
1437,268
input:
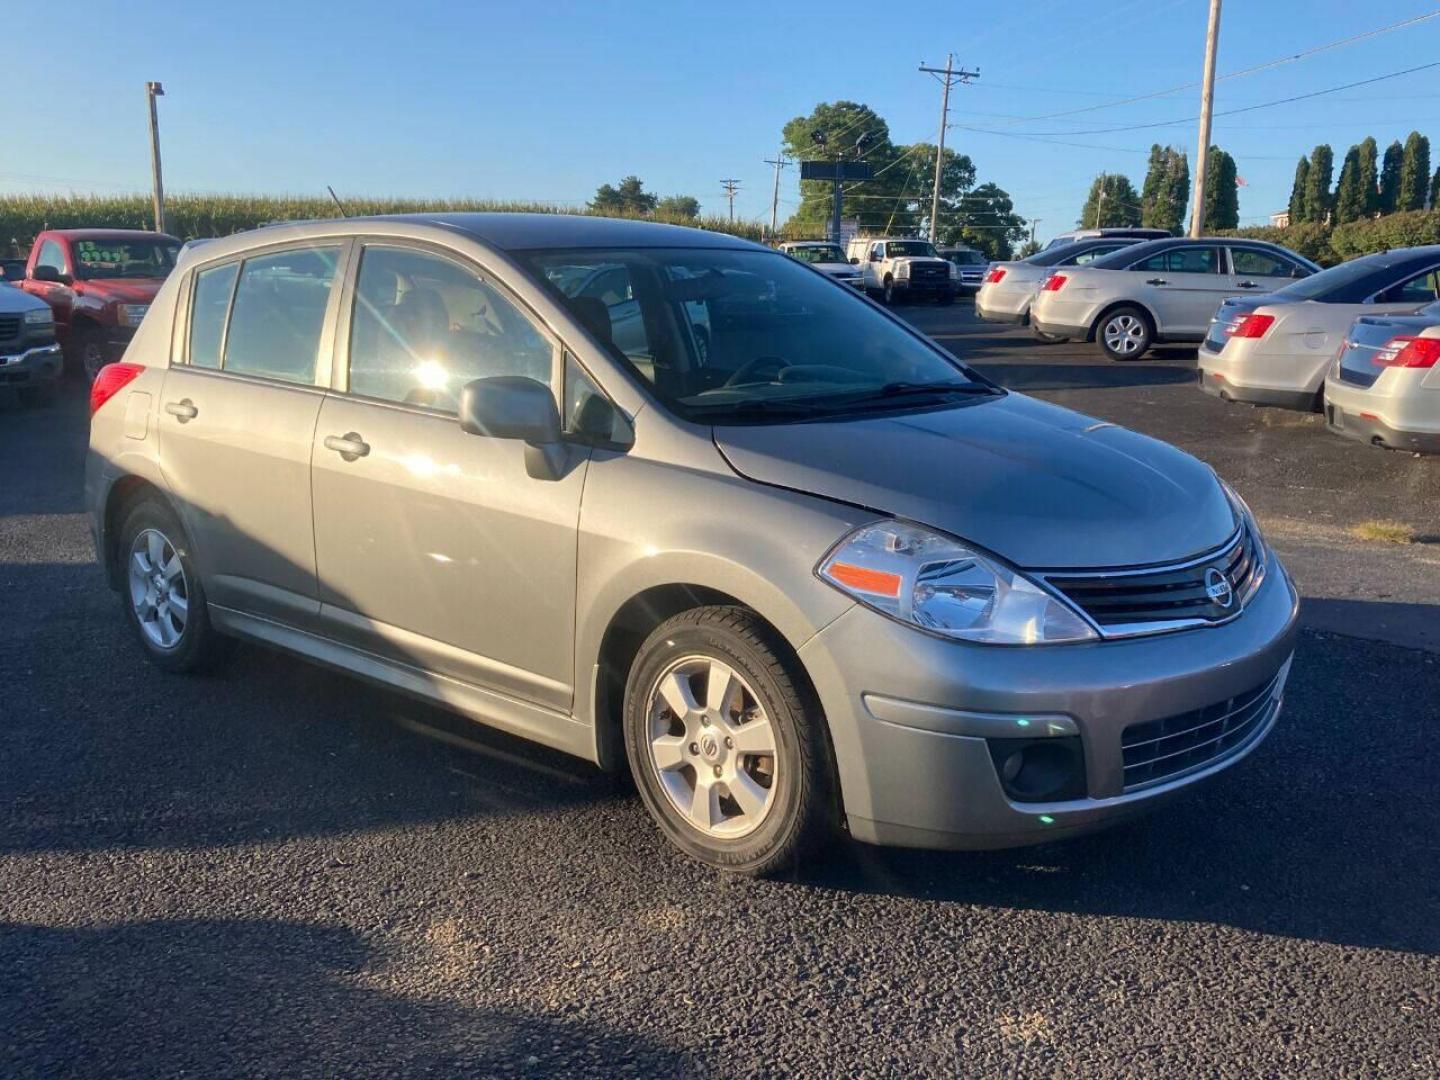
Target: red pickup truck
x,y
99,284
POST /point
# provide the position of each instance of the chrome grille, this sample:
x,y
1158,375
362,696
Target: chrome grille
x,y
10,327
928,272
1151,599
1159,750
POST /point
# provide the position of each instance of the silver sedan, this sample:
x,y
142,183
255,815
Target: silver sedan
x,y
1384,387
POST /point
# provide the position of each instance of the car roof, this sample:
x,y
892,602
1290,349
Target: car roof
x,y
110,234
520,232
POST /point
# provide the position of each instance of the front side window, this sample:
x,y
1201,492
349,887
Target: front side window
x,y
1256,263
208,306
278,314
424,326
1186,260
749,336
52,256
100,258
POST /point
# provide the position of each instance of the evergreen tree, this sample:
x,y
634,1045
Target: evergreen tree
x,y
1166,189
1317,183
1414,173
1297,191
1390,178
1120,205
1435,191
1349,196
1222,194
1370,176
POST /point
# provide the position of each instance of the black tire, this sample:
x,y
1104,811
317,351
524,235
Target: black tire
x,y
945,298
88,352
39,394
887,296
199,647
802,817
1135,340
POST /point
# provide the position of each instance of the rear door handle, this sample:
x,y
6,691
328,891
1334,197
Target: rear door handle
x,y
1155,281
349,446
183,410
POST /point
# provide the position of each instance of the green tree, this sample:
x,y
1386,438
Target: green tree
x,y
1166,190
1222,193
850,131
957,178
1317,183
678,207
1028,248
1297,191
1370,176
630,197
1414,173
1119,206
1390,178
1349,195
987,222
1435,191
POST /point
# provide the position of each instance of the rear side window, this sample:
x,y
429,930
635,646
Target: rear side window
x,y
424,326
1093,254
1260,263
278,314
208,307
1189,260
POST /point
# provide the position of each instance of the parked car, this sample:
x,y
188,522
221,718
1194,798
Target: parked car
x,y
896,268
1133,232
99,283
1158,292
826,257
1275,349
12,271
30,360
971,263
819,573
1384,387
1009,287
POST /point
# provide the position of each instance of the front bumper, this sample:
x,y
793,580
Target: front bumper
x,y
910,714
1396,421
30,366
923,287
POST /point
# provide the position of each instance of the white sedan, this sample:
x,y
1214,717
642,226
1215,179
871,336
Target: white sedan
x,y
1384,387
1008,287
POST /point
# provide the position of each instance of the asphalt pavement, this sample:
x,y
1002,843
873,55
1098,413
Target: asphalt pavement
x,y
277,871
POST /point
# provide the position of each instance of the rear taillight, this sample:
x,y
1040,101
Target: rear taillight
x,y
1249,326
112,379
1408,352
1054,283
994,277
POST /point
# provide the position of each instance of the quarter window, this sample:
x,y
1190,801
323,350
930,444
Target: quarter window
x,y
1188,260
424,326
208,306
279,312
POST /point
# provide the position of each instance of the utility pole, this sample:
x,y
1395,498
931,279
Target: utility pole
x,y
1100,203
1034,221
947,78
779,164
731,187
1207,99
152,91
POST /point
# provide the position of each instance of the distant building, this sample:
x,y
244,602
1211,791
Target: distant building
x,y
1280,219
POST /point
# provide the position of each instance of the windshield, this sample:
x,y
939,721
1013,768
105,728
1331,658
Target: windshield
x,y
723,336
968,258
899,248
97,258
818,253
1347,283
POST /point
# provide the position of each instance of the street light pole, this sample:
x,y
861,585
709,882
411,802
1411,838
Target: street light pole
x,y
1207,99
152,91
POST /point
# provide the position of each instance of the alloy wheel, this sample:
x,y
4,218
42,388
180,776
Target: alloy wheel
x,y
712,747
1125,335
159,593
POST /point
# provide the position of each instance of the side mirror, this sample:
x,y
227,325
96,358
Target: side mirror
x,y
874,256
514,407
854,260
49,273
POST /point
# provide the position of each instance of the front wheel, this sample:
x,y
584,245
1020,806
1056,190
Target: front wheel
x,y
1125,334
88,347
889,294
726,744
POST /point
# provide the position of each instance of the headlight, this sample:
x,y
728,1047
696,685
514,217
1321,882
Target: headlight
x,y
132,314
903,270
954,272
39,317
936,583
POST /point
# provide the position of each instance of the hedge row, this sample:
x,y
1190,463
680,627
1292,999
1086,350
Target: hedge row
x,y
189,216
1329,245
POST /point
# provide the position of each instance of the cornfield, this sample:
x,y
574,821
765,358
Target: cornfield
x,y
190,216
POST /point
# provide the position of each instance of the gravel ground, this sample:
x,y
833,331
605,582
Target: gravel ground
x,y
276,871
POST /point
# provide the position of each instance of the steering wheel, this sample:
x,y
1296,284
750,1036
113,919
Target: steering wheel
x,y
745,370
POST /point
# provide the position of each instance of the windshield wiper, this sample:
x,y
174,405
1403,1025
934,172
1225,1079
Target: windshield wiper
x,y
913,389
753,407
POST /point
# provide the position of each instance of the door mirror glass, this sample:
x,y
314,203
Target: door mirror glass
x,y
510,407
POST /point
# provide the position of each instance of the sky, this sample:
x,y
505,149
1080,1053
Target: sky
x,y
548,100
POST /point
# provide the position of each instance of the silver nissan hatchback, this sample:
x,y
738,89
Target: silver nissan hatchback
x,y
666,499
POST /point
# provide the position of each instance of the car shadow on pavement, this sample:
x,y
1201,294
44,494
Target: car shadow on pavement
x,y
1327,832
225,997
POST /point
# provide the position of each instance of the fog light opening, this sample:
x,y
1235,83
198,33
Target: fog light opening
x,y
1040,770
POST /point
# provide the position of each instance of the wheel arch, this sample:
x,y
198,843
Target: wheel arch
x,y
1110,309
124,493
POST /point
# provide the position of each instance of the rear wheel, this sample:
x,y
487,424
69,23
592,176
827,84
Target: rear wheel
x,y
161,593
1125,333
726,745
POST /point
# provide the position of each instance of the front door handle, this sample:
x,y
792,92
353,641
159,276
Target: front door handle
x,y
1155,281
1248,285
183,410
349,446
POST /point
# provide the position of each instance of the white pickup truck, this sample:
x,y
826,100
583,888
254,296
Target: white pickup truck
x,y
894,268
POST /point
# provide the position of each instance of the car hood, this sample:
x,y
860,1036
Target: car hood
x,y
122,290
843,269
1036,484
13,300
